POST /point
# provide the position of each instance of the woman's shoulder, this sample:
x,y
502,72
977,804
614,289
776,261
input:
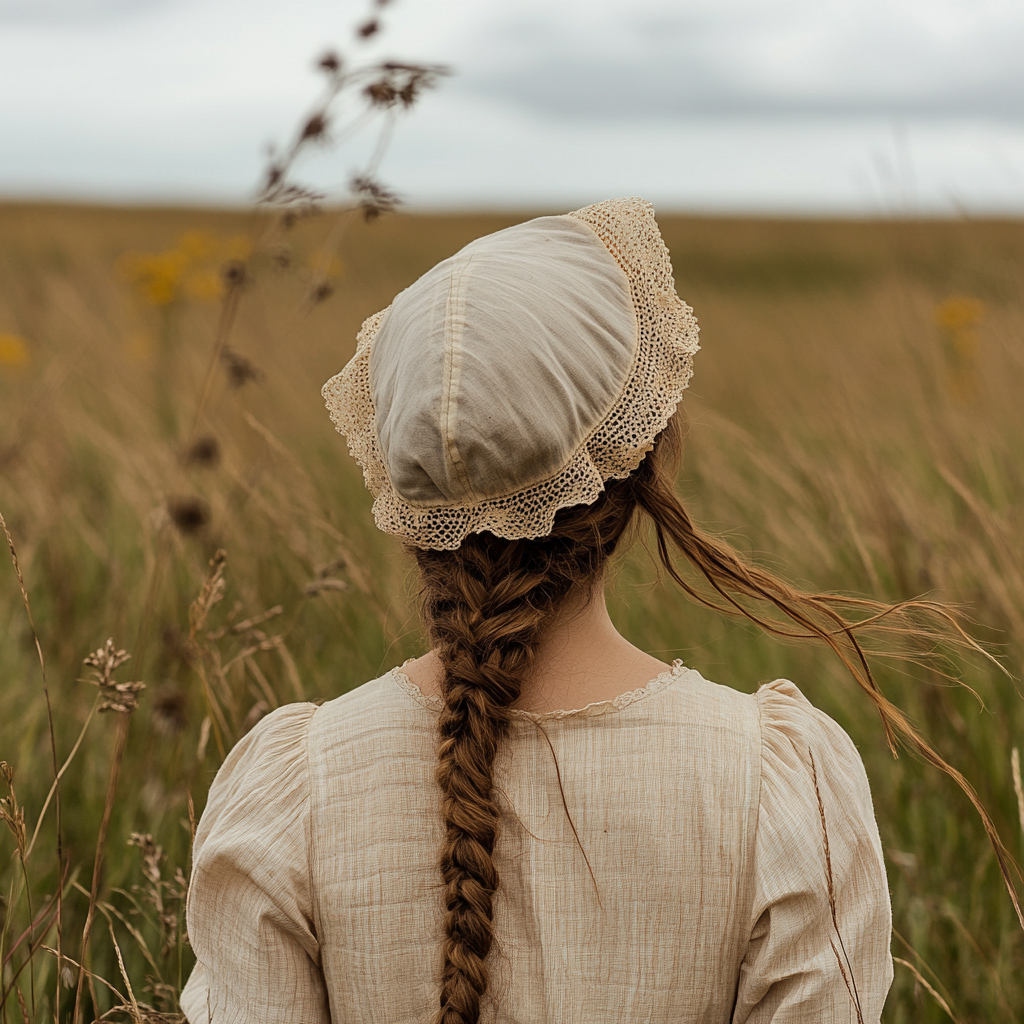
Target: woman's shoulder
x,y
724,699
776,704
296,738
705,711
795,732
276,739
270,758
806,759
776,718
372,720
368,703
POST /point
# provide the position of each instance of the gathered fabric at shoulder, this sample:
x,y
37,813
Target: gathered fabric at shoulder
x,y
250,913
821,919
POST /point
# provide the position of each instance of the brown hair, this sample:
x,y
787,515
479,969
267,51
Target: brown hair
x,y
485,607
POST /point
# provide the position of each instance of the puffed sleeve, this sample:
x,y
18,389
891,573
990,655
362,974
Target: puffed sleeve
x,y
250,916
793,970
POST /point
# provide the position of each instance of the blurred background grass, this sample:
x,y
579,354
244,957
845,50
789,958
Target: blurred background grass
x,y
856,421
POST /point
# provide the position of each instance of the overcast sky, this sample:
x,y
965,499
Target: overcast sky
x,y
799,105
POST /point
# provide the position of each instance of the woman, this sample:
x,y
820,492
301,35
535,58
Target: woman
x,y
452,842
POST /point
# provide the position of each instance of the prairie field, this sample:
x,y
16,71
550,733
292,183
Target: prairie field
x,y
856,422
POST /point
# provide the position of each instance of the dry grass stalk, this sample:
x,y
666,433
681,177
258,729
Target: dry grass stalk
x,y
222,698
843,961
924,983
1017,788
211,594
136,1015
39,927
385,88
53,786
160,893
81,970
53,756
105,661
13,815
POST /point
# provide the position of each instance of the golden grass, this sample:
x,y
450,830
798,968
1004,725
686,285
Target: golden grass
x,y
856,422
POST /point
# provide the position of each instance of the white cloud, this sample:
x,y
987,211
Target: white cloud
x,y
758,59
74,12
780,104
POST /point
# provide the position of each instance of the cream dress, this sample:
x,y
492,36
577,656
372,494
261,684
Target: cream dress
x,y
316,896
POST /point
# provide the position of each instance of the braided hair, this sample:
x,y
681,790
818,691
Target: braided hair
x,y
485,606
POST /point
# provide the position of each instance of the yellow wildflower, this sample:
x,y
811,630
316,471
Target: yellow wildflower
x,y
207,285
958,317
192,268
13,351
157,276
959,313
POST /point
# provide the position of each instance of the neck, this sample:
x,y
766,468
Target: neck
x,y
580,659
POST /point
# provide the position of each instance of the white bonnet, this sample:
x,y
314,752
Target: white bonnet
x,y
516,377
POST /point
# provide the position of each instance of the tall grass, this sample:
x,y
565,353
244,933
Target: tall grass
x,y
855,421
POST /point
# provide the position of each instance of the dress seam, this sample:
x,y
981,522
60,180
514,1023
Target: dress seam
x,y
752,858
314,903
760,785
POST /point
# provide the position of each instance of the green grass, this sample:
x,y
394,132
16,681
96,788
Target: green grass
x,y
837,434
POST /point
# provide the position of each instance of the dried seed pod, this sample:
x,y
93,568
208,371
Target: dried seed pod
x,y
233,273
240,370
329,62
320,291
314,128
203,451
170,710
189,514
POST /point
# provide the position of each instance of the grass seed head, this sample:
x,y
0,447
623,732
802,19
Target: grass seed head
x,y
152,855
212,593
11,811
119,697
105,660
372,197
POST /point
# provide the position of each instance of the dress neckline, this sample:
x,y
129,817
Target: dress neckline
x,y
602,707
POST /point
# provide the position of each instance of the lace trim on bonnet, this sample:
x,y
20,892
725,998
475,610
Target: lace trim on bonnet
x,y
662,366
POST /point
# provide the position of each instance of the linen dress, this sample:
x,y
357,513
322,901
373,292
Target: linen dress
x,y
316,896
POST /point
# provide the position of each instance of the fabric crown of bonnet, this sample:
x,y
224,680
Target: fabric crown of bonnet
x,y
518,376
